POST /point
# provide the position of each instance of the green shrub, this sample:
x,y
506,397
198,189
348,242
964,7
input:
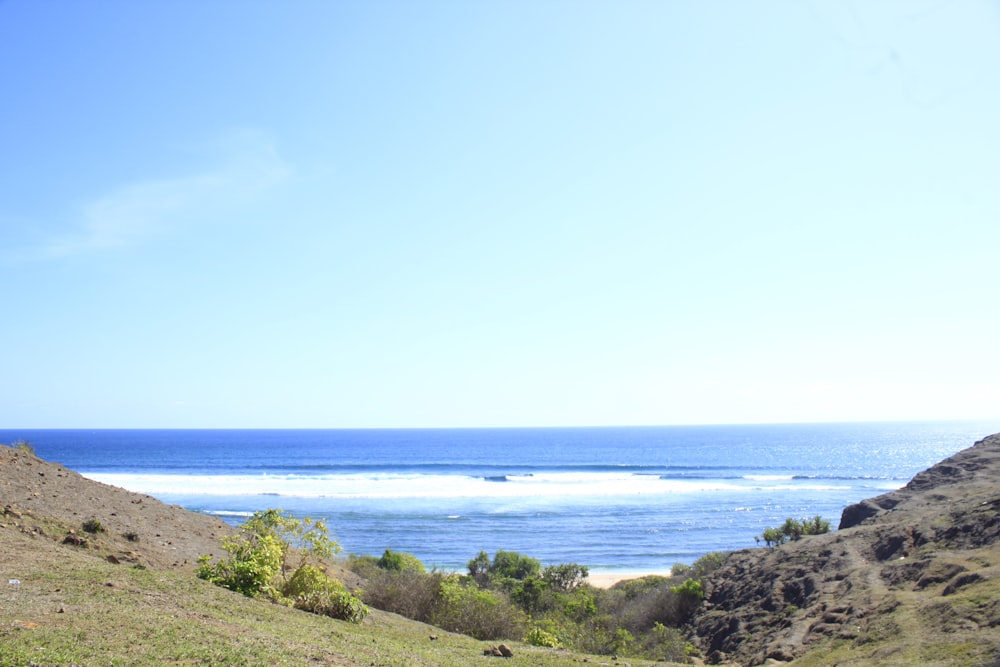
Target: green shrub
x,y
680,570
405,592
581,604
257,565
663,643
335,604
773,537
311,589
691,588
399,560
479,569
479,613
252,567
622,642
815,526
539,637
308,579
531,595
707,564
794,530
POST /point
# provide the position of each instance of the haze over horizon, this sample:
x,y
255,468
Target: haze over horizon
x,y
444,214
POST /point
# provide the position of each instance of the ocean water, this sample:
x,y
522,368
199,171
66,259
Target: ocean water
x,y
630,499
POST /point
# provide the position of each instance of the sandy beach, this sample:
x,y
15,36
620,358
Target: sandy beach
x,y
609,579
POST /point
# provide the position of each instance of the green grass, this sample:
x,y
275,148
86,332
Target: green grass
x,y
71,608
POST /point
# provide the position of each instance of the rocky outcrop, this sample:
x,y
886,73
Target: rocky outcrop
x,y
898,560
972,471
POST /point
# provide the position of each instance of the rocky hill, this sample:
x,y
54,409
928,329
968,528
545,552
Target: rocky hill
x,y
910,577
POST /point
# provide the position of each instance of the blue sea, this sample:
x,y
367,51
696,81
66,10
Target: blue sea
x,y
630,499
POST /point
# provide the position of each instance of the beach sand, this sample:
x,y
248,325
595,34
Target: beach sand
x,y
609,579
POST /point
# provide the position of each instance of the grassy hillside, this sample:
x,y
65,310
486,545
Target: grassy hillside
x,y
127,595
73,607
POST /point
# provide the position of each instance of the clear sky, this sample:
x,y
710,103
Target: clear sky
x,y
486,213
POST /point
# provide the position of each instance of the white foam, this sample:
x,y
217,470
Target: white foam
x,y
393,485
400,485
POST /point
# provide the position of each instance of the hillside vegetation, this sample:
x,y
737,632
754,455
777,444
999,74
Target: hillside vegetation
x,y
123,591
96,575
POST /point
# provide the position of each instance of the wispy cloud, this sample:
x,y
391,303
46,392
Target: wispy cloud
x,y
141,211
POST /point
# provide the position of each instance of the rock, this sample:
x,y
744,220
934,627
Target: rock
x,y
74,539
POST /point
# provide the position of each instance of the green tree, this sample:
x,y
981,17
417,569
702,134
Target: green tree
x,y
512,565
479,569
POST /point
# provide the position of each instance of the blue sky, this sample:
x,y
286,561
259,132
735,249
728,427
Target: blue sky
x,y
404,214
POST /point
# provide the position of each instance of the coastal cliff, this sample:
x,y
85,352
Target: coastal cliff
x,y
910,577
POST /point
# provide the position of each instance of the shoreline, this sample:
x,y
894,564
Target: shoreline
x,y
608,579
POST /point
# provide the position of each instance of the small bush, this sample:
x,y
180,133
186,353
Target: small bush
x,y
340,605
707,564
691,588
256,566
93,526
252,567
399,560
482,614
539,637
405,592
311,589
663,643
794,530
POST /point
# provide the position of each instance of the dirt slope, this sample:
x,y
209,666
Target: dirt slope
x,y
158,535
